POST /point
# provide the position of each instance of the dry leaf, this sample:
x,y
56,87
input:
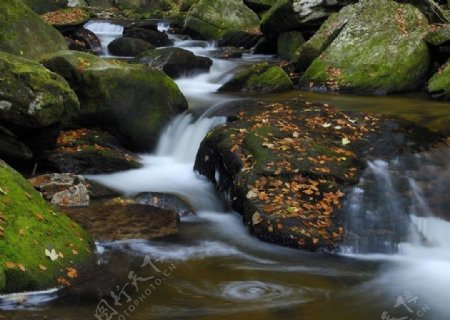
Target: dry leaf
x,y
42,267
51,254
72,273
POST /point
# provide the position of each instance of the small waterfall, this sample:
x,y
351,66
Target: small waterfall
x,y
182,138
106,33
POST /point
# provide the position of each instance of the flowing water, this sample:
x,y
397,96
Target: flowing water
x,y
394,265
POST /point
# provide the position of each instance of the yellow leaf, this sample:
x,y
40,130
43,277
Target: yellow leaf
x,y
51,254
21,267
42,267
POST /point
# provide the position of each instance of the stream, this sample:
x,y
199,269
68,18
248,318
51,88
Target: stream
x,y
214,269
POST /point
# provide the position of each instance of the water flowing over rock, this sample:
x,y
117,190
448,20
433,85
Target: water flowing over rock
x,y
209,19
25,34
261,77
31,96
362,51
132,102
287,166
38,245
175,62
165,201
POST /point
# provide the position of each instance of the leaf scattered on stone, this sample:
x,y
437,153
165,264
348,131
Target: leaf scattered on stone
x,y
345,141
72,273
63,281
22,232
10,265
53,255
21,267
42,267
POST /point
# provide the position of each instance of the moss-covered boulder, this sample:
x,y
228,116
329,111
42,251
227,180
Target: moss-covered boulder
x,y
132,102
24,33
288,44
439,84
186,5
239,39
31,95
438,34
84,151
175,62
261,77
378,51
154,6
209,19
39,247
128,47
288,166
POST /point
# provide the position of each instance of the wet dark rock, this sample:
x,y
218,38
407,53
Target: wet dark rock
x,y
155,38
81,39
128,47
128,221
260,5
175,62
261,77
146,24
165,201
239,39
11,149
85,151
287,166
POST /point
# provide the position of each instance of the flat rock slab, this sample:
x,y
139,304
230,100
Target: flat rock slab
x,y
128,221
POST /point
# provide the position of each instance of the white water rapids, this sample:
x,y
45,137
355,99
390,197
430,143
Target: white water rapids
x,y
384,276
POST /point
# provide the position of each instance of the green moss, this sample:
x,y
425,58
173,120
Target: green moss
x,y
211,18
439,84
24,33
31,226
369,56
37,96
2,279
289,43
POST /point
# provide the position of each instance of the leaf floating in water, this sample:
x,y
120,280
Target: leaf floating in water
x,y
53,255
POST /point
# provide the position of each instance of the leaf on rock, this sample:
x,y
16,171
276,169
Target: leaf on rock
x,y
53,255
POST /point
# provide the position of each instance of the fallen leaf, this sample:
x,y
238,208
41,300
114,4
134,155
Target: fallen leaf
x,y
10,264
21,267
63,281
345,141
72,272
42,267
53,255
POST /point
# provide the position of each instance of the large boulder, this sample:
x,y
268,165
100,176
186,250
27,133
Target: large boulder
x,y
379,50
67,18
209,19
261,77
11,148
154,6
128,47
439,84
85,151
287,165
32,96
132,102
175,62
24,33
40,247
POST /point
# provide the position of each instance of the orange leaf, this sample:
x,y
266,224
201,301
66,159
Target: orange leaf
x,y
72,272
10,265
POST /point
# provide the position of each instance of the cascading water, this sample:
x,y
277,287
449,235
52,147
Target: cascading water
x,y
106,33
396,258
